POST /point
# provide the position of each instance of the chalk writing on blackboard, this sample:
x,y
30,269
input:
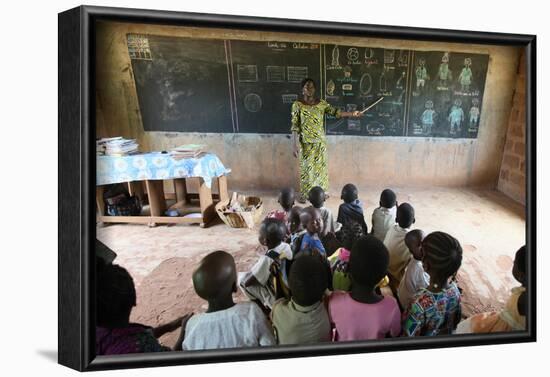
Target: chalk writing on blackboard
x,y
247,73
275,73
138,47
289,98
296,74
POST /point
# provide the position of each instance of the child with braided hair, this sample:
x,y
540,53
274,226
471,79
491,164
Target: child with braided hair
x,y
435,310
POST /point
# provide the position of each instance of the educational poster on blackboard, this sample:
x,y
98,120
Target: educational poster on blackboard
x,y
182,83
267,78
355,77
447,93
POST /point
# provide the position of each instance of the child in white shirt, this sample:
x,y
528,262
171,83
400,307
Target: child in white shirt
x,y
415,278
383,217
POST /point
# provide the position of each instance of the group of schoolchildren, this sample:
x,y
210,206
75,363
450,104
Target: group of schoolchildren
x,y
320,279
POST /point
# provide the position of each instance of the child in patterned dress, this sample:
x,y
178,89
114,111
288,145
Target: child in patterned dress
x,y
435,310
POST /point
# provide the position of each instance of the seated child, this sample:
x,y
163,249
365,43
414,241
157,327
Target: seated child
x,y
362,313
303,319
225,324
435,310
395,242
415,277
267,280
383,217
512,317
114,334
295,223
286,200
339,261
309,241
317,200
352,208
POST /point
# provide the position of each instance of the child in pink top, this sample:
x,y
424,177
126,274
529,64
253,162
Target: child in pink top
x,y
363,314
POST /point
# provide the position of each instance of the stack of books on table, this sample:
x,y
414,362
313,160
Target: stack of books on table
x,y
116,146
187,151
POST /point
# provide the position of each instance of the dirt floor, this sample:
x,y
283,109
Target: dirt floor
x,y
489,225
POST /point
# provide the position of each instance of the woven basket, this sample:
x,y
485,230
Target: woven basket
x,y
245,219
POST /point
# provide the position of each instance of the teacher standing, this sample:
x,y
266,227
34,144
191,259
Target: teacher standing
x,y
308,137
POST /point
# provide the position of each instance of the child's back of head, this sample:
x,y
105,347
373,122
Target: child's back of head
x,y
272,232
369,261
317,197
518,271
442,254
387,199
351,232
216,278
349,193
286,198
405,215
294,219
116,296
308,280
413,240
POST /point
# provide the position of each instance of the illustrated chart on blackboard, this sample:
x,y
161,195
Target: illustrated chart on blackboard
x,y
239,86
267,78
355,77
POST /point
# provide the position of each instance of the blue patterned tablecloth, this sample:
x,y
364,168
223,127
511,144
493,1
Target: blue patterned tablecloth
x,y
156,165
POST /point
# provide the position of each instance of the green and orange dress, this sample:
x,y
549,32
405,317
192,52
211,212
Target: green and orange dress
x,y
308,123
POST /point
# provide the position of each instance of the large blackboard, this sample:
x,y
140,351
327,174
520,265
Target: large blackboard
x,y
236,86
182,84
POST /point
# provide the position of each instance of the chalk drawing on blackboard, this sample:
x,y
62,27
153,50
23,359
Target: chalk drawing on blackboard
x,y
253,102
347,71
444,73
365,84
421,74
465,77
331,86
383,82
289,98
428,117
389,56
375,128
456,117
247,73
138,47
296,74
335,56
474,115
403,57
347,87
353,54
369,53
275,73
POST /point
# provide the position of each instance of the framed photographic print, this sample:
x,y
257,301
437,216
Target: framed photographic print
x,y
267,188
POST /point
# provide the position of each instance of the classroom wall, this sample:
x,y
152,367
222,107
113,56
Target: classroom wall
x,y
512,171
266,162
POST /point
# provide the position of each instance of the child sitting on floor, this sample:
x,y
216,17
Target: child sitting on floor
x,y
295,223
115,335
512,317
415,278
362,313
383,217
309,241
303,319
395,242
267,280
286,200
225,324
351,209
339,261
435,310
317,200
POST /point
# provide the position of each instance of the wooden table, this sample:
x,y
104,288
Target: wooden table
x,y
153,192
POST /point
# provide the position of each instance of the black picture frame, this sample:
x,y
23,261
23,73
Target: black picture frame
x,y
76,162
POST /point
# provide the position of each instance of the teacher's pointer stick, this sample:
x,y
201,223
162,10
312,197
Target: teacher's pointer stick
x,y
371,106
